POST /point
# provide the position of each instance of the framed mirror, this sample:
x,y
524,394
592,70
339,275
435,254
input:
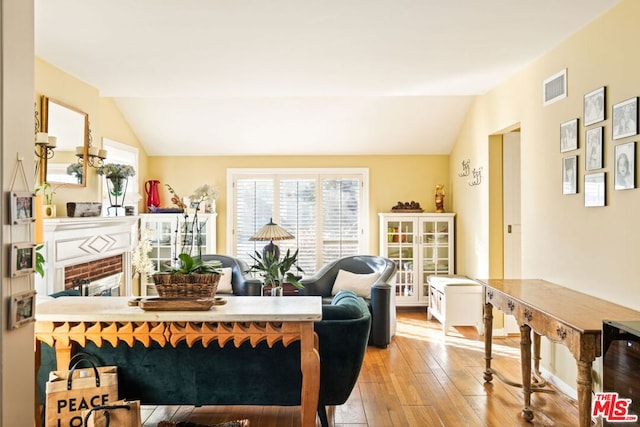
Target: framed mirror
x,y
70,126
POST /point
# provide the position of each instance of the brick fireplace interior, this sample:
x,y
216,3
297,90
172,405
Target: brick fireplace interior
x,y
93,270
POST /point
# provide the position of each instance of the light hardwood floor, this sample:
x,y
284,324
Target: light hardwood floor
x,y
420,379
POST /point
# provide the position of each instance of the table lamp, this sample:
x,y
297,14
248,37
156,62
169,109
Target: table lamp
x,y
269,233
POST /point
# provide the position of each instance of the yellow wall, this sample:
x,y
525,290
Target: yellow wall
x,y
391,179
593,250
106,121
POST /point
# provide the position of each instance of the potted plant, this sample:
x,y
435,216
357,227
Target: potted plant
x,y
117,179
190,276
276,271
47,191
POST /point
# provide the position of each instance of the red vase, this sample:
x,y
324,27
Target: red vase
x,y
153,195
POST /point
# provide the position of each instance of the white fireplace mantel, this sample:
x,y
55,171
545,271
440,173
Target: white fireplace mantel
x,y
71,241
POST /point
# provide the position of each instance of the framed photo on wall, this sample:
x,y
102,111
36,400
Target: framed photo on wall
x,y
569,136
22,205
23,258
625,118
594,189
594,148
23,309
625,156
594,106
570,175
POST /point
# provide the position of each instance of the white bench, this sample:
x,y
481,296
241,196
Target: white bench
x,y
455,301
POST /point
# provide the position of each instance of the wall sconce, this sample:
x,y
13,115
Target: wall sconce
x,y
95,155
45,145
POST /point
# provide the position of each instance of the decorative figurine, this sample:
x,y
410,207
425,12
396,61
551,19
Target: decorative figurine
x,y
439,197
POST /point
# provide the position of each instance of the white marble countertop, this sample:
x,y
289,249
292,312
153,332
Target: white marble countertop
x,y
237,309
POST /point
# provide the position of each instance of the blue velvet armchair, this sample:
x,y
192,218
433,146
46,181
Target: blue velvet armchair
x,y
382,301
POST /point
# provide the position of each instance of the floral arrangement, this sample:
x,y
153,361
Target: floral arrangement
x,y
193,227
75,169
116,170
204,193
140,257
117,174
175,199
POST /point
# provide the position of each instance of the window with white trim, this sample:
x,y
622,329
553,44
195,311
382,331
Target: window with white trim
x,y
324,209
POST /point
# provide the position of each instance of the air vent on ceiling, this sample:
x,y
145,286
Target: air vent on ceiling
x,y
555,88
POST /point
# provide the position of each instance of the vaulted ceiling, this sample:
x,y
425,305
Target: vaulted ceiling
x,y
334,77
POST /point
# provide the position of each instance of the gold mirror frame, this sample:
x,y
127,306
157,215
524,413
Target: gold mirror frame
x,y
70,126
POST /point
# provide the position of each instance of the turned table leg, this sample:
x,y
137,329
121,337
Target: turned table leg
x,y
488,334
584,383
537,375
536,353
525,361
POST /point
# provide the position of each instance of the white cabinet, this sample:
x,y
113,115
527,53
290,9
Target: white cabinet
x,y
455,301
168,234
421,244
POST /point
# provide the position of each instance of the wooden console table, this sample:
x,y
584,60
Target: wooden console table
x,y
563,316
68,320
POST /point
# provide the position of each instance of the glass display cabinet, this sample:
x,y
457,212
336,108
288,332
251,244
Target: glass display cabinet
x,y
420,244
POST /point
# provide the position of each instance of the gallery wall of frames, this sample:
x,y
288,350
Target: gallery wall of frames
x,y
596,123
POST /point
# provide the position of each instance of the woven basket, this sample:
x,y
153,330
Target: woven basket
x,y
186,285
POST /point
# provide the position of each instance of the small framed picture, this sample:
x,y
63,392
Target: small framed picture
x,y
594,106
23,309
625,176
22,207
569,136
570,175
625,118
594,189
594,148
23,257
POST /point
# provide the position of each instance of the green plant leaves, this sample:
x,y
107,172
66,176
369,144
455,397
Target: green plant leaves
x,y
39,264
274,270
191,265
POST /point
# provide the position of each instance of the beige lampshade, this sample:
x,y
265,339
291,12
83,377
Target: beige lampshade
x,y
270,232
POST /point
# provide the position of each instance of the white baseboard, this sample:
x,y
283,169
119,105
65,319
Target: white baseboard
x,y
499,332
559,384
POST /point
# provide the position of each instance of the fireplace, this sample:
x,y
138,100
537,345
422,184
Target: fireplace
x,y
91,254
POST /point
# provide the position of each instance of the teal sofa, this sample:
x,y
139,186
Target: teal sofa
x,y
243,375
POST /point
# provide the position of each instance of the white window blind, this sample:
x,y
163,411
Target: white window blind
x,y
325,211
